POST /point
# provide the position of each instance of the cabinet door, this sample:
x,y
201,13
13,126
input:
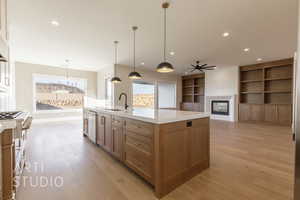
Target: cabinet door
x,y
117,142
198,142
284,114
257,112
100,130
244,112
107,133
271,113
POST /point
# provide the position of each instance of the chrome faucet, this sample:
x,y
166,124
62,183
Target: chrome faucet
x,y
124,94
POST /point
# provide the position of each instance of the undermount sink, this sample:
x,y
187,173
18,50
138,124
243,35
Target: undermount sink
x,y
113,109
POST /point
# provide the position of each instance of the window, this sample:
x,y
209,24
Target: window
x,y
166,95
58,93
150,95
143,94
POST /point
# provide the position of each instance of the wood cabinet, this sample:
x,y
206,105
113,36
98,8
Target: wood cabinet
x,y
139,148
271,113
117,142
104,129
100,130
165,155
266,92
280,114
183,152
193,92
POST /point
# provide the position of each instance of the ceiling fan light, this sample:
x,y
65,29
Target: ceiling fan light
x,y
134,76
116,80
165,67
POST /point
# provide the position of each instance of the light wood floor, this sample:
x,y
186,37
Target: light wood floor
x,y
248,162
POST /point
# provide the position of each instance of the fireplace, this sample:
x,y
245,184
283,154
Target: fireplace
x,y
220,107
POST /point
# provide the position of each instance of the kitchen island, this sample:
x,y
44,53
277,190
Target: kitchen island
x,y
165,147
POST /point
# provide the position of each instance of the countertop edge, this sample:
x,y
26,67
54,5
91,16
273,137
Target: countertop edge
x,y
149,120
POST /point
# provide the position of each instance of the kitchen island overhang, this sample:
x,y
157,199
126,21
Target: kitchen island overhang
x,y
165,147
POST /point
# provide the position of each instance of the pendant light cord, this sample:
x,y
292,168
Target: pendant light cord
x,y
165,35
134,49
116,56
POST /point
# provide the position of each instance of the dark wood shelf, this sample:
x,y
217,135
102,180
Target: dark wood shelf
x,y
278,79
278,91
251,81
247,70
253,92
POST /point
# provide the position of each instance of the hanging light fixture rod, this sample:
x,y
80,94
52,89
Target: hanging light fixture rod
x,y
134,75
165,66
116,79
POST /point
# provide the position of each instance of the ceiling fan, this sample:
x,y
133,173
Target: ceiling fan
x,y
202,67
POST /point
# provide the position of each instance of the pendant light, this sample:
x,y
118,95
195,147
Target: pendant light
x,y
116,79
165,66
134,75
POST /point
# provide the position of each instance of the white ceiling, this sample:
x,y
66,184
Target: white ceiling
x,y
88,28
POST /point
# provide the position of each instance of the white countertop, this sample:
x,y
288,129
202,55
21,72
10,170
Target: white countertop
x,y
161,116
12,123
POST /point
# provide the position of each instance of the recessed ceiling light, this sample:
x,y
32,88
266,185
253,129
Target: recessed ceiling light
x,y
142,63
246,49
226,34
259,59
55,23
172,53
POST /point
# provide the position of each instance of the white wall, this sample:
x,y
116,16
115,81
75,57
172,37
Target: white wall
x,y
104,73
24,85
222,81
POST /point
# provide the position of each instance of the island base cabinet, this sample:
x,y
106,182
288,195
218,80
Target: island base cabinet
x,y
165,155
181,152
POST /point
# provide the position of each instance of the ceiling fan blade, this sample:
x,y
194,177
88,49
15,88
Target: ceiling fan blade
x,y
193,70
209,67
203,65
193,66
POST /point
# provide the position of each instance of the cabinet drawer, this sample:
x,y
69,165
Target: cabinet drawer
x,y
139,142
139,127
117,121
139,162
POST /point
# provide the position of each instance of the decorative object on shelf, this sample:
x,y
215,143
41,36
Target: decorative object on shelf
x,y
165,67
116,79
134,75
201,68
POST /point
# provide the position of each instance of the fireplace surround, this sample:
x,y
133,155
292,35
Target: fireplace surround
x,y
232,110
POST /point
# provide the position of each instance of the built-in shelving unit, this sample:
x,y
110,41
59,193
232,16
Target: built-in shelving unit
x,y
266,84
193,92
